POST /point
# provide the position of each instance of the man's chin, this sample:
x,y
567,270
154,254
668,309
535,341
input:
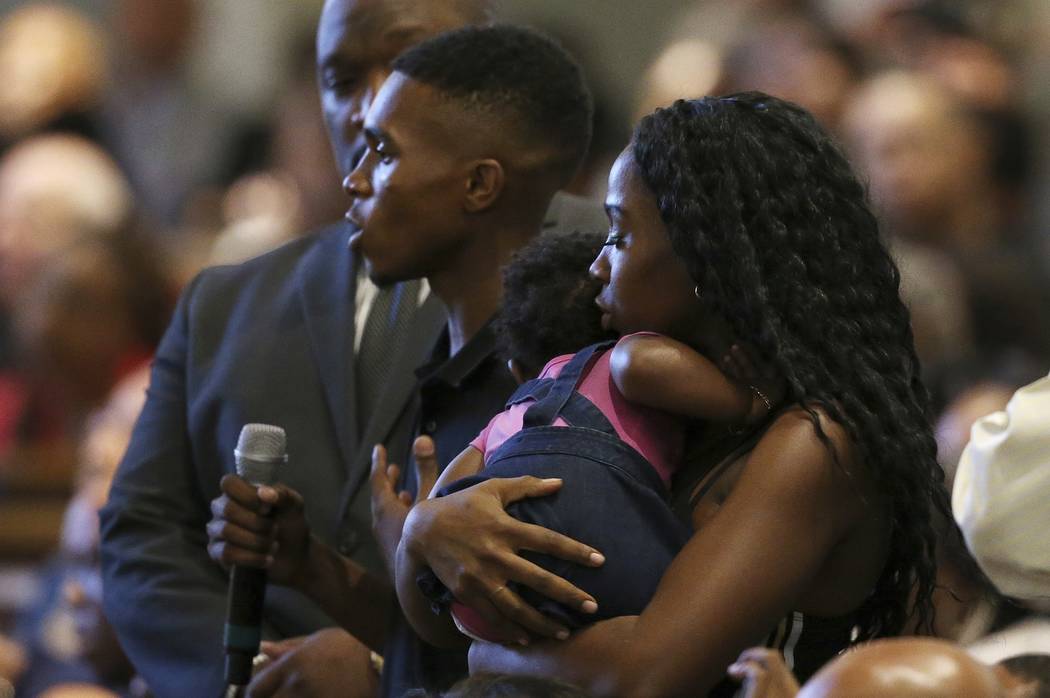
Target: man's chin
x,y
383,277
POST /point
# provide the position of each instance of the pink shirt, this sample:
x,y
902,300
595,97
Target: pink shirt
x,y
655,434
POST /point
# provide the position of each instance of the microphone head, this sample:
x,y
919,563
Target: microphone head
x,y
260,449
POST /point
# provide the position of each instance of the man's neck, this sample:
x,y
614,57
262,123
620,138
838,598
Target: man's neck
x,y
472,288
469,310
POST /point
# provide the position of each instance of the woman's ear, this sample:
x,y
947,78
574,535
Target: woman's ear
x,y
484,185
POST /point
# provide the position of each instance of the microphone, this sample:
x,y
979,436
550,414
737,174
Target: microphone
x,y
260,450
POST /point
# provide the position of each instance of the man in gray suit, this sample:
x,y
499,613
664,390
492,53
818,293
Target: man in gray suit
x,y
278,340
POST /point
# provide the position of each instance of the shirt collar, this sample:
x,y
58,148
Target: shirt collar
x,y
455,369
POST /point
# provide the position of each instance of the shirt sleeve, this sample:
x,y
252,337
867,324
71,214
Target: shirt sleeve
x,y
481,439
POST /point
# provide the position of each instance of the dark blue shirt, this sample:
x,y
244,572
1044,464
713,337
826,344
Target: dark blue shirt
x,y
458,395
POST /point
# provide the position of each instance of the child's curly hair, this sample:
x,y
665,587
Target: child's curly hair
x,y
548,300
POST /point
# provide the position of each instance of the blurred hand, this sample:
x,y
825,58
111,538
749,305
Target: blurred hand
x,y
471,543
262,527
329,662
762,673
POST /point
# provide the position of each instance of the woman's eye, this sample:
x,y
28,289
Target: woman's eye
x,y
614,239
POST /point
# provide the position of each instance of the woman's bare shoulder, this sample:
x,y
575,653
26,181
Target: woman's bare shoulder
x,y
792,451
796,426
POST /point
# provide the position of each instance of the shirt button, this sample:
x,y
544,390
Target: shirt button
x,y
430,427
347,542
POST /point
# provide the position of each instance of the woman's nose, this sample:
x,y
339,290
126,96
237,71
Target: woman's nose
x,y
599,268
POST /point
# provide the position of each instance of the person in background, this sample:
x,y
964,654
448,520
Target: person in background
x,y
53,90
94,315
165,135
66,640
930,161
79,306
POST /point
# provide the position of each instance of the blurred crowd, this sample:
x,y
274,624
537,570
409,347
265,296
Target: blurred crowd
x,y
118,180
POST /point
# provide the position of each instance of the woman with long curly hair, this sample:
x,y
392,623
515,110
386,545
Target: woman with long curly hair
x,y
735,221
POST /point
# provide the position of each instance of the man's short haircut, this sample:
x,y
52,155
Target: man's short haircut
x,y
513,73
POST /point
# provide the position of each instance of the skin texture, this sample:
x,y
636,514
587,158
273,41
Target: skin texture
x,y
814,537
436,196
645,285
292,669
407,191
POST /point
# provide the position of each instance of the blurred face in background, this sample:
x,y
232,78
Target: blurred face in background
x,y
796,61
157,33
924,158
51,60
74,326
357,40
54,190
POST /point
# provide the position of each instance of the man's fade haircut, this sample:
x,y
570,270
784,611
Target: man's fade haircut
x,y
511,71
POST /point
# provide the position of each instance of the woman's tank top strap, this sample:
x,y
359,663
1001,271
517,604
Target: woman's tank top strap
x,y
543,412
809,642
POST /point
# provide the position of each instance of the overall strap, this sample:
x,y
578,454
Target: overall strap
x,y
543,412
536,389
581,412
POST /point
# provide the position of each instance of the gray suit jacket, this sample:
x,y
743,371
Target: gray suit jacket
x,y
267,341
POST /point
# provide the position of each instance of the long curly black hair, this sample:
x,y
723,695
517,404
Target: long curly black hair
x,y
776,230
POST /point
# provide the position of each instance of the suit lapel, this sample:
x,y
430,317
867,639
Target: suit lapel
x,y
327,292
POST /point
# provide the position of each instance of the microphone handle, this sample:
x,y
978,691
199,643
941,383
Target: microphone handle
x,y
243,633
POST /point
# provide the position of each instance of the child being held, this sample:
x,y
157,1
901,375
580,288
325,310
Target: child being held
x,y
600,420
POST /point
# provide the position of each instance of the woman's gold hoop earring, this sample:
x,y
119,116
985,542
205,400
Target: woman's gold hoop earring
x,y
696,292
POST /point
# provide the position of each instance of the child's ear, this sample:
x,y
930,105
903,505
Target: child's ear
x,y
517,370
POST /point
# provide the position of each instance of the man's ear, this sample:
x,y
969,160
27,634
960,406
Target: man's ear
x,y
484,185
